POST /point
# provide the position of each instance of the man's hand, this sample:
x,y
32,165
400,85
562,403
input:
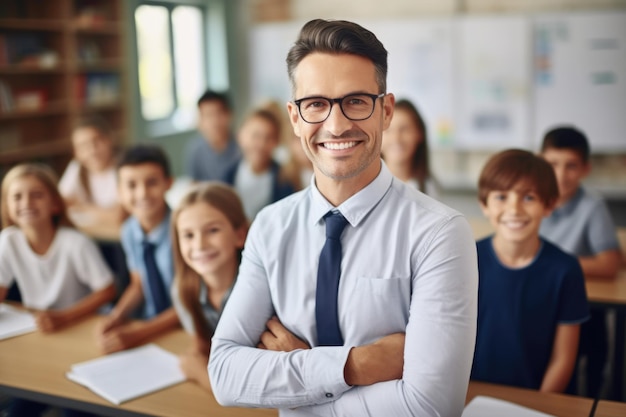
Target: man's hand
x,y
380,361
194,365
279,339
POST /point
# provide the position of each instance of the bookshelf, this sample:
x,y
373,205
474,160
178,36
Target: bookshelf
x,y
59,60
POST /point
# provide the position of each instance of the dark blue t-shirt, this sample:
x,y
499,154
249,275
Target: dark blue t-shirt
x,y
519,310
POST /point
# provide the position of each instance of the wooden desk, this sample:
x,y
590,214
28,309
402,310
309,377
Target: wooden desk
x,y
610,409
33,366
559,405
611,295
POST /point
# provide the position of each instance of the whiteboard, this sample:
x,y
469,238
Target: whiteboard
x,y
580,76
421,69
494,76
487,82
269,45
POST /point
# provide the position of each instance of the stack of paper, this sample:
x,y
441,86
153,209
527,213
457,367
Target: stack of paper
x,y
14,322
482,406
130,374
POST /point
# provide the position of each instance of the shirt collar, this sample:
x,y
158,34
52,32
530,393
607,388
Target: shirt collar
x,y
570,206
156,235
356,207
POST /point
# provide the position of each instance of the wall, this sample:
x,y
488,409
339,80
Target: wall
x,y
458,170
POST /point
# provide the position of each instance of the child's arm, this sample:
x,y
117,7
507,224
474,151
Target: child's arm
x,y
129,301
52,320
194,363
136,332
563,358
603,264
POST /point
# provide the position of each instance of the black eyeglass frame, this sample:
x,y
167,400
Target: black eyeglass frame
x,y
339,100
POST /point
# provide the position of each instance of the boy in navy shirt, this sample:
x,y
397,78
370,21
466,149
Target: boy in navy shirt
x,y
143,179
531,296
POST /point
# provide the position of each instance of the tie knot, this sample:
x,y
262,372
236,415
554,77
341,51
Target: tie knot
x,y
335,223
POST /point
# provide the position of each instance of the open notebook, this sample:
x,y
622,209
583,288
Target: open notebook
x,y
482,406
14,322
122,376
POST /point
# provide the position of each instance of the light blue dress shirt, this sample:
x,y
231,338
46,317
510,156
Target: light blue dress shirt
x,y
132,237
409,265
583,226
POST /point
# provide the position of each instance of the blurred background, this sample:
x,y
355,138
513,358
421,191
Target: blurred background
x,y
486,74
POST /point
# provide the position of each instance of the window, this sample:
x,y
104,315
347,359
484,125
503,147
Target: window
x,y
171,62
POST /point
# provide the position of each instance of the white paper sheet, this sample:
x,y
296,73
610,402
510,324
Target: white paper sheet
x,y
125,375
14,322
482,406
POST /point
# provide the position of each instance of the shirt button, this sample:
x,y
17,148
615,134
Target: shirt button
x,y
329,395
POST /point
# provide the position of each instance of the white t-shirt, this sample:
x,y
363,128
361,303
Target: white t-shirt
x,y
71,268
103,186
255,190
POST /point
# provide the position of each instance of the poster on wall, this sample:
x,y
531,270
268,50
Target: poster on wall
x,y
580,76
494,76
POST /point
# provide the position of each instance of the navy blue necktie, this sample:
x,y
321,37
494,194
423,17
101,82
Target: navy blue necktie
x,y
155,280
328,273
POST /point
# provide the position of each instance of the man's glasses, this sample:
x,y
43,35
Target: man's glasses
x,y
355,107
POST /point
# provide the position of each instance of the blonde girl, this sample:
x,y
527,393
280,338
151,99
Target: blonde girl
x,y
60,272
89,183
208,232
405,148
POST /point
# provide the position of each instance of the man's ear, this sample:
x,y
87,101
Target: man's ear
x,y
389,102
294,117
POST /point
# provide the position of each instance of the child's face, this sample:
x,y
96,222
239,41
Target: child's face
x,y
258,139
142,190
569,169
208,241
515,214
91,149
401,139
214,120
30,204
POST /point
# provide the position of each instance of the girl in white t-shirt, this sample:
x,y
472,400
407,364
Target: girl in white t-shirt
x,y
405,148
59,271
208,232
89,183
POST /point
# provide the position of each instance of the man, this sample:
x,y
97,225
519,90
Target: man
x,y
396,337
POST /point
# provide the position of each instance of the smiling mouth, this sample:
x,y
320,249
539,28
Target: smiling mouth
x,y
338,146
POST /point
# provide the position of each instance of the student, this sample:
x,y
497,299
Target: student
x,y
144,178
258,178
378,318
405,148
59,271
208,232
531,297
581,225
214,151
89,183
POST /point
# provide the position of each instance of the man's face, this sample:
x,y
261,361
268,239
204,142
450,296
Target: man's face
x,y
340,148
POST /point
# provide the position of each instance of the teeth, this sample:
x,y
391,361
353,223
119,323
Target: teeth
x,y
339,145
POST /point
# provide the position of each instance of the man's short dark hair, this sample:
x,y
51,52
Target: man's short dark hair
x,y
210,95
145,154
338,37
567,137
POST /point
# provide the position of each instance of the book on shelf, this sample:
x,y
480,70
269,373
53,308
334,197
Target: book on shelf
x,y
6,98
97,88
